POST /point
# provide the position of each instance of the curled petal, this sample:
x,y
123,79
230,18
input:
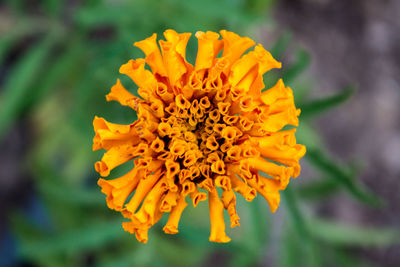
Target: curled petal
x,y
233,153
114,157
118,190
207,184
153,56
281,173
242,188
169,201
190,158
173,51
109,134
252,65
140,233
277,121
197,196
163,92
188,187
268,188
209,47
218,167
120,94
234,46
224,182
229,200
278,91
157,145
172,170
136,71
181,102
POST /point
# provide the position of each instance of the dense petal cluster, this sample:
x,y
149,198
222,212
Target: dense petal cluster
x,y
199,128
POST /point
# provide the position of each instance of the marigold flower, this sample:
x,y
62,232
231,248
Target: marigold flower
x,y
200,127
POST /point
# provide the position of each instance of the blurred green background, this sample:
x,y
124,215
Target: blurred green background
x,y
58,59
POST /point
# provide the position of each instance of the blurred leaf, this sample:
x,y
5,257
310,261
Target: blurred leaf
x,y
21,29
92,16
308,136
353,235
342,175
256,240
194,235
302,90
301,226
319,189
60,191
53,7
296,216
24,227
178,253
141,256
260,226
291,251
62,66
19,81
316,107
17,5
279,48
301,63
341,257
259,6
8,40
86,237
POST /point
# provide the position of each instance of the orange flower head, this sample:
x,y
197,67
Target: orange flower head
x,y
199,127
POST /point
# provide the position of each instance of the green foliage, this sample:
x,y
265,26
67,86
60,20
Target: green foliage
x,y
85,237
16,89
59,83
302,62
318,106
343,175
340,234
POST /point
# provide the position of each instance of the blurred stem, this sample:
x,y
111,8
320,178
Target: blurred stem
x,y
300,225
342,175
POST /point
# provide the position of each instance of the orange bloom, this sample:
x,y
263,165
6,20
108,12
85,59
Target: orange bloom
x,y
200,127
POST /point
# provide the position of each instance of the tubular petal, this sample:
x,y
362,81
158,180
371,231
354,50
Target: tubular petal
x,y
145,185
217,219
175,215
149,208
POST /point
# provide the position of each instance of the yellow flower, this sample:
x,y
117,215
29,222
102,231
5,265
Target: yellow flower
x,y
199,128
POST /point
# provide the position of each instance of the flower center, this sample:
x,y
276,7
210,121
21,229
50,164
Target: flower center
x,y
201,136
